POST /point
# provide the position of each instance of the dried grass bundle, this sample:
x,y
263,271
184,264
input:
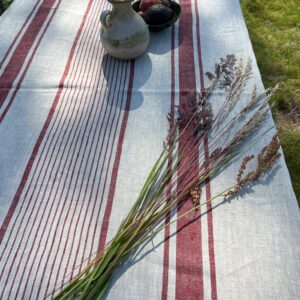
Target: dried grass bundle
x,y
159,197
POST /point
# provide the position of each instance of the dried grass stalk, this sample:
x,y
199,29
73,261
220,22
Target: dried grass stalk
x,y
159,197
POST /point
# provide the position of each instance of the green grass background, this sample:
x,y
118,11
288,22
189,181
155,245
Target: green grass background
x,y
4,4
274,28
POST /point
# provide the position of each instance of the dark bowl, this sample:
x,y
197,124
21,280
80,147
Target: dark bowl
x,y
174,6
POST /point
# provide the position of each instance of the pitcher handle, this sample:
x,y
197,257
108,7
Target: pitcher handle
x,y
106,19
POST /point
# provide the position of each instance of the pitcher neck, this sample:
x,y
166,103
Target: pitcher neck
x,y
121,7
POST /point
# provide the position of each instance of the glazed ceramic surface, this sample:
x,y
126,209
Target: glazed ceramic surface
x,y
124,34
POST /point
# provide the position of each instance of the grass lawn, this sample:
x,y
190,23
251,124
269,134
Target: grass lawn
x,y
4,4
274,28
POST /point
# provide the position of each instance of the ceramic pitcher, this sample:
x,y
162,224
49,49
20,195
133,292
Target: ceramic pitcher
x,y
124,34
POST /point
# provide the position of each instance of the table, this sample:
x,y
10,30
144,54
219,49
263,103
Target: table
x,y
80,131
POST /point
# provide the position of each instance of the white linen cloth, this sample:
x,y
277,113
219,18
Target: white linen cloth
x,y
80,131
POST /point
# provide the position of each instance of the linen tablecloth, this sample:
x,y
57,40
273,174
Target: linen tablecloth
x,y
80,131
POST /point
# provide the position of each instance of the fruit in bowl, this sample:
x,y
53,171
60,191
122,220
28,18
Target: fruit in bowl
x,y
158,14
145,4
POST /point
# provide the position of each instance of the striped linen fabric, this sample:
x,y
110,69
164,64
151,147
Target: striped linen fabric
x,y
80,131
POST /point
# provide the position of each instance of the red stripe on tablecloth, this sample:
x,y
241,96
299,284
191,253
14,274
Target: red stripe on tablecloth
x,y
165,282
97,126
66,220
96,199
40,139
108,131
109,160
18,58
47,154
18,34
43,132
119,96
81,150
115,170
213,281
97,191
80,100
105,180
189,271
115,166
